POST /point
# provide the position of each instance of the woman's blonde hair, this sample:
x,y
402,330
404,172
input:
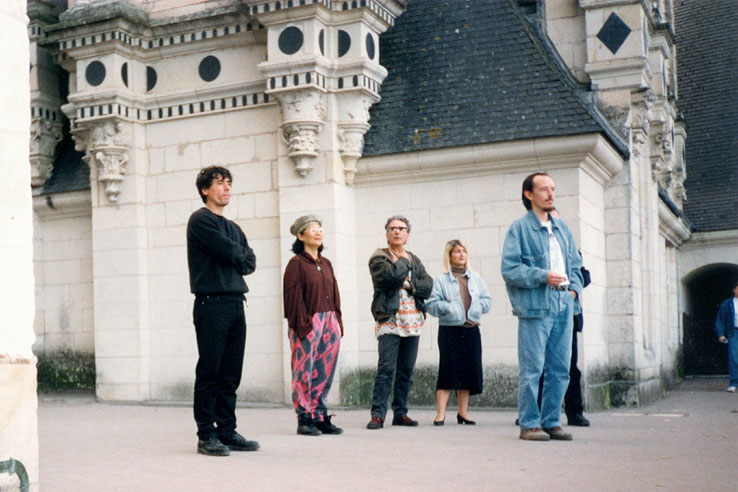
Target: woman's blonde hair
x,y
447,254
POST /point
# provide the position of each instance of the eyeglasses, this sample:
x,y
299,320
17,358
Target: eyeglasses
x,y
396,228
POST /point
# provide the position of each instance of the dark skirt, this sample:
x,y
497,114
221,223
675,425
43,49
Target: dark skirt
x,y
460,365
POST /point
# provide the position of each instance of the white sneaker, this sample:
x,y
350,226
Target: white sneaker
x,y
731,389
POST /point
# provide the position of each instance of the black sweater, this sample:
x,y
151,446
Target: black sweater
x,y
218,255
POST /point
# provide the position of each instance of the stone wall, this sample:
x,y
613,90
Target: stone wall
x,y
63,272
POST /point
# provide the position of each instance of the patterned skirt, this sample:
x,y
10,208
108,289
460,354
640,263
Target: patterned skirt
x,y
313,364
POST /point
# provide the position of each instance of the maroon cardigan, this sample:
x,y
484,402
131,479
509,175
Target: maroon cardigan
x,y
309,290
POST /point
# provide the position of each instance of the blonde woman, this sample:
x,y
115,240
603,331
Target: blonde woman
x,y
459,299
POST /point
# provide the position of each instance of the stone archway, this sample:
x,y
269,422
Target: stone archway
x,y
705,288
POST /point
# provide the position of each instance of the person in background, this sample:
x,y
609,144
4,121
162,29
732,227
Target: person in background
x,y
459,299
401,286
726,329
312,306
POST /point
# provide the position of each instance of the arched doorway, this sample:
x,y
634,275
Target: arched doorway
x,y
705,288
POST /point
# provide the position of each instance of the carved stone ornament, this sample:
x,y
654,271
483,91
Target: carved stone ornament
x,y
106,148
302,141
303,112
351,146
109,151
45,135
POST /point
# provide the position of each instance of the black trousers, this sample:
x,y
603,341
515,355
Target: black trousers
x,y
573,397
220,326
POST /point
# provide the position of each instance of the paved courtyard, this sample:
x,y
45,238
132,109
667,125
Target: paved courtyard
x,y
687,441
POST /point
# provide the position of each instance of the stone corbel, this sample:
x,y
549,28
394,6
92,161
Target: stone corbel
x,y
303,112
105,144
352,126
109,152
351,146
45,134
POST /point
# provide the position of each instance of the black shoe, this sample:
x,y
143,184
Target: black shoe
x,y
236,442
439,422
306,427
375,423
326,427
404,420
212,447
462,420
577,420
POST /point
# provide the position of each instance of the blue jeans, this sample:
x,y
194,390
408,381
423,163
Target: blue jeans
x,y
545,343
733,358
396,362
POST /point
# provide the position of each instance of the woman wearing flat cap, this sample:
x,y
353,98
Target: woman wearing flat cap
x,y
312,306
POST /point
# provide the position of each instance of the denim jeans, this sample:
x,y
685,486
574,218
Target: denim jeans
x,y
733,358
396,362
545,343
220,326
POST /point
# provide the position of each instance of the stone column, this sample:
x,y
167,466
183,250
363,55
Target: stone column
x,y
322,65
18,403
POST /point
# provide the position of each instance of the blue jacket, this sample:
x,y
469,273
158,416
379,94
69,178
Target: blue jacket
x,y
725,320
445,300
526,263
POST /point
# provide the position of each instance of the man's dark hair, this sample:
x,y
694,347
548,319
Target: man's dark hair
x,y
298,247
528,186
206,176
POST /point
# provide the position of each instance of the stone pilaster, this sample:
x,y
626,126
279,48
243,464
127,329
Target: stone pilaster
x,y
18,401
324,51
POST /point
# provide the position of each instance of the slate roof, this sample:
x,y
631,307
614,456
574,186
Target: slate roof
x,y
467,72
707,67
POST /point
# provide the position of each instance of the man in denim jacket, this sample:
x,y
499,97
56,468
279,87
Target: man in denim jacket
x,y
541,268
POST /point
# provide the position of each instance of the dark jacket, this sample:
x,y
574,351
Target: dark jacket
x,y
388,278
725,320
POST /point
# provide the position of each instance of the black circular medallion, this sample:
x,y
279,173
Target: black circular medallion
x,y
344,42
150,78
95,73
290,40
370,46
209,68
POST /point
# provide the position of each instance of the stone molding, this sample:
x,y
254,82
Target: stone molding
x,y
591,152
69,204
671,227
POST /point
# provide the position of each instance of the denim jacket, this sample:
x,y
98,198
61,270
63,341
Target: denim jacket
x,y
526,263
725,320
445,300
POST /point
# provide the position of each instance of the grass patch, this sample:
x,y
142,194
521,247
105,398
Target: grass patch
x,y
65,370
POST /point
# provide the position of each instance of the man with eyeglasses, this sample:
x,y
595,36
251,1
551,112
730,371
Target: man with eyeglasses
x,y
541,269
401,286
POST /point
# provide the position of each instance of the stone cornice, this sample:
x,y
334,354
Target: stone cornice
x,y
701,240
671,227
70,204
591,152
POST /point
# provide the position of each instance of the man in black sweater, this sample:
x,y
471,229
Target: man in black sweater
x,y
218,257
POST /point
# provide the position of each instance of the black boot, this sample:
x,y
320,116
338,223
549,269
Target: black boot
x,y
326,427
306,427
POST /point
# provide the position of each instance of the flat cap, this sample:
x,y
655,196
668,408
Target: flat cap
x,y
301,223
